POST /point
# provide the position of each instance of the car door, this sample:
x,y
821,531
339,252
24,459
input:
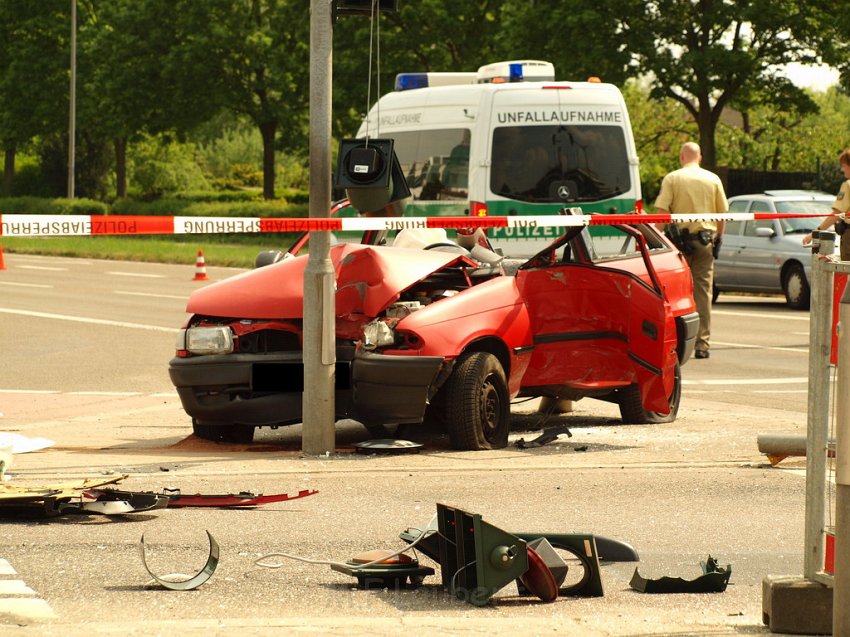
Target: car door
x,y
756,267
726,266
598,328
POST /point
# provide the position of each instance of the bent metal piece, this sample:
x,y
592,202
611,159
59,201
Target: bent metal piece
x,y
243,499
194,581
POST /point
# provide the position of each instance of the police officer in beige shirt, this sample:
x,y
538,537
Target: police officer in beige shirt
x,y
840,208
694,190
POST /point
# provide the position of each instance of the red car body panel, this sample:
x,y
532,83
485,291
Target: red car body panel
x,y
368,280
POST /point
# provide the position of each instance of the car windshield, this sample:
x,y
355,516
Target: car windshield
x,y
558,164
802,225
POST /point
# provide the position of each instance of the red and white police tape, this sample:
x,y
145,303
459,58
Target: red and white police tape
x,y
83,225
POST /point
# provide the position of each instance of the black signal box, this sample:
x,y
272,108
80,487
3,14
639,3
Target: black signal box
x,y
364,7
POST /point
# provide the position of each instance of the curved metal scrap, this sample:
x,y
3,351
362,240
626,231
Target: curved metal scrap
x,y
193,582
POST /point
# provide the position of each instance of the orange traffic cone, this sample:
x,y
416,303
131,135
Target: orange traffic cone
x,y
2,263
200,268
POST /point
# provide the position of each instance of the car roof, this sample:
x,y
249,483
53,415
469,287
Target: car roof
x,y
789,195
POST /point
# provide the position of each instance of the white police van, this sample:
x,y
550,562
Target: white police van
x,y
510,140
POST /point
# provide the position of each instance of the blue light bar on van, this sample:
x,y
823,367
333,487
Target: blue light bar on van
x,y
515,72
409,81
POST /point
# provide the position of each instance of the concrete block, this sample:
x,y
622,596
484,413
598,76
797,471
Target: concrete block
x,y
796,605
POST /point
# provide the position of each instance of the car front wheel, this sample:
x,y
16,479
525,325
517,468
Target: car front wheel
x,y
631,406
796,288
477,404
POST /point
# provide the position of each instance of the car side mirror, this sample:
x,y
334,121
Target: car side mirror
x,y
765,232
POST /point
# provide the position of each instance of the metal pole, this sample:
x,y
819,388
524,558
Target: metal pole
x,y
841,577
319,408
820,332
72,108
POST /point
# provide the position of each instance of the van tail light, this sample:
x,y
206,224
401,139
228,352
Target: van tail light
x,y
639,207
477,209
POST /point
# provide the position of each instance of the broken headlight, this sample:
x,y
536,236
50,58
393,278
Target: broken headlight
x,y
378,334
217,339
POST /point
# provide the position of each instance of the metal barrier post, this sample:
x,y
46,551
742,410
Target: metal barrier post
x,y
820,325
841,577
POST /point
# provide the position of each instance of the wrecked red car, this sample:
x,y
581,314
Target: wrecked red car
x,y
429,331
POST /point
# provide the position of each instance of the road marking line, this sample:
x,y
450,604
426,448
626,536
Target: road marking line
x,y
93,321
42,267
156,296
104,393
15,587
23,609
138,274
25,285
780,391
771,315
83,393
749,381
6,568
796,350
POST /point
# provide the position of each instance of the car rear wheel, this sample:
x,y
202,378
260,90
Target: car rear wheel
x,y
223,432
477,403
631,406
796,288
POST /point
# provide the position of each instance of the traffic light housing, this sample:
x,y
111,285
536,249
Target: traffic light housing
x,y
476,558
370,173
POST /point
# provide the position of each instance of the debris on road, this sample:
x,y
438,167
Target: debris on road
x,y
241,499
95,496
179,581
549,435
477,559
713,580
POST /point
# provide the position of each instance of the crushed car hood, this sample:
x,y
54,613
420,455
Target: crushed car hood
x,y
368,279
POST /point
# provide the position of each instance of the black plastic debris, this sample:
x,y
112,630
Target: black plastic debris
x,y
714,579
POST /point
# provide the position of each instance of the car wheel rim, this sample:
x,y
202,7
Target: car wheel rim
x,y
491,407
794,287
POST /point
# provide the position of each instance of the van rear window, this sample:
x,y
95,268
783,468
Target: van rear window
x,y
559,164
435,162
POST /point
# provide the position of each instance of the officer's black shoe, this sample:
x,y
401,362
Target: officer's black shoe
x,y
701,353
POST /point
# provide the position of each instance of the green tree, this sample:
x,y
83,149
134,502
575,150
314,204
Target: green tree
x,y
34,74
251,57
422,36
708,54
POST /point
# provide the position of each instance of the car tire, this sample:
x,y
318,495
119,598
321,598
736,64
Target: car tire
x,y
223,432
631,406
478,404
714,293
796,288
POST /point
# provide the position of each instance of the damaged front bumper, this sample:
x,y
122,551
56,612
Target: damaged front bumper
x,y
267,389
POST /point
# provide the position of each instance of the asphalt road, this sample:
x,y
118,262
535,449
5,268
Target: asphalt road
x,y
84,347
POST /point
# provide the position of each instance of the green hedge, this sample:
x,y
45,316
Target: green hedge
x,y
175,206
189,204
42,206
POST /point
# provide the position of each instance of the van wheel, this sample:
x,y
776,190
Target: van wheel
x,y
223,432
631,407
796,288
478,404
714,293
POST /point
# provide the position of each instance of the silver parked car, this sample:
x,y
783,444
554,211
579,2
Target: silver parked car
x,y
768,255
